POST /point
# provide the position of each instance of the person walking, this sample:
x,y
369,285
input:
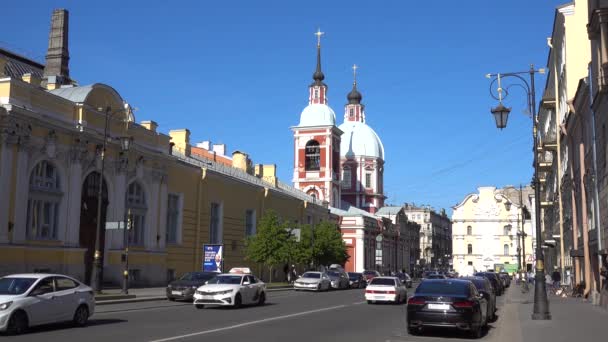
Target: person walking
x,y
557,278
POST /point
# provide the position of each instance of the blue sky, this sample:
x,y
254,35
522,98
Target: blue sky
x,y
236,72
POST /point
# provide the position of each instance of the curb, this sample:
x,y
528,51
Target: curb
x,y
277,289
131,300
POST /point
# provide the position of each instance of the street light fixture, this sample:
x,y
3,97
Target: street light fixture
x,y
541,304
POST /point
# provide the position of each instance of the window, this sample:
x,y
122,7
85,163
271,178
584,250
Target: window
x,y
351,112
505,250
469,249
346,178
43,203
313,156
250,222
469,230
173,216
215,232
136,204
45,285
62,283
316,93
506,230
470,263
308,219
368,180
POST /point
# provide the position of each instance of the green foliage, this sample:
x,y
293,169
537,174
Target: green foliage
x,y
272,243
329,248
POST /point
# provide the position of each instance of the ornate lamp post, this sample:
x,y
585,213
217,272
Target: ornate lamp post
x,y
501,114
125,144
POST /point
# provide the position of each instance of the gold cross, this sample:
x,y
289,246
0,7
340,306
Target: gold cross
x,y
355,67
319,34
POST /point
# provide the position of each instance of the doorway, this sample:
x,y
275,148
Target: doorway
x,y
88,221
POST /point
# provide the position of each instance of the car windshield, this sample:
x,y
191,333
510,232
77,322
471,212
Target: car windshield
x,y
197,276
383,281
226,279
435,276
353,275
480,284
369,272
15,286
311,275
335,274
458,288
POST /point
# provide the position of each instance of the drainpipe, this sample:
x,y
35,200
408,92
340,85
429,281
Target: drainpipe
x,y
559,163
596,197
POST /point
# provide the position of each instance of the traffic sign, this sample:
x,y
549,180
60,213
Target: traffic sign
x,y
115,225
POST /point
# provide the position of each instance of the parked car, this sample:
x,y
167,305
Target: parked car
x,y
184,287
484,287
313,281
405,279
370,274
452,303
496,282
436,276
339,279
34,298
356,280
386,289
234,289
506,278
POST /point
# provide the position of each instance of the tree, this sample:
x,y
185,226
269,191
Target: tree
x,y
272,244
329,247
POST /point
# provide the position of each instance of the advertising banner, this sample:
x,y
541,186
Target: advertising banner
x,y
213,259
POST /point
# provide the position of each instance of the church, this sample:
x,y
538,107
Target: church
x,y
343,165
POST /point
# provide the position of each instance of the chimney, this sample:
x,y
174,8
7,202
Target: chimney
x,y
150,125
240,161
57,56
3,63
31,79
181,140
204,144
220,149
269,174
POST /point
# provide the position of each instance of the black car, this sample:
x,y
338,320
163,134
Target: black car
x,y
356,280
484,287
435,276
495,280
405,279
184,287
448,303
506,278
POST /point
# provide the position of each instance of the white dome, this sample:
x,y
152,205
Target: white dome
x,y
317,115
360,140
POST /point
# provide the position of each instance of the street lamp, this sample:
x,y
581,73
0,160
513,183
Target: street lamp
x,y
501,114
125,145
97,274
524,277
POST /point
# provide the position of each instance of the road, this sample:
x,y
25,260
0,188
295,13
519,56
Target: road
x,y
288,316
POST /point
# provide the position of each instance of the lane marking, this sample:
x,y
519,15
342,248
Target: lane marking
x,y
249,323
358,303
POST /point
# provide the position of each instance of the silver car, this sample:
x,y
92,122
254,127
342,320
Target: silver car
x,y
312,281
339,279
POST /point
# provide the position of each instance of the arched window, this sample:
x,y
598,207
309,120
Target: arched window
x,y
505,250
346,178
136,204
313,156
469,230
469,249
43,203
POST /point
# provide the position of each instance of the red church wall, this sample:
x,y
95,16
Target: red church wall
x,y
351,251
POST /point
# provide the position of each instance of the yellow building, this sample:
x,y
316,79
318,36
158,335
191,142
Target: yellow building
x,y
51,141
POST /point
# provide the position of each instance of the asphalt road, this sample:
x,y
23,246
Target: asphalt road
x,y
288,316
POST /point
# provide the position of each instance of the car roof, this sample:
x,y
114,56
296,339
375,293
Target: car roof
x,y
35,275
313,272
386,277
450,280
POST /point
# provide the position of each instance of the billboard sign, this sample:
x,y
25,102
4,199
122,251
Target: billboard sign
x,y
213,258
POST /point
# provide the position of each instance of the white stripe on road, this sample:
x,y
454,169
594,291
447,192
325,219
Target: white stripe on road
x,y
248,323
359,303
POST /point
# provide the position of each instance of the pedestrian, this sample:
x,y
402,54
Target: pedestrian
x,y
556,277
286,272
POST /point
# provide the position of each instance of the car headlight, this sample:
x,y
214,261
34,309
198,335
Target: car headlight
x,y
224,292
5,306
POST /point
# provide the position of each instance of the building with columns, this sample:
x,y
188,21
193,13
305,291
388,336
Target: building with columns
x,y
435,235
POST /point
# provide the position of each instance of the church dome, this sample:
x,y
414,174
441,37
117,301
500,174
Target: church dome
x,y
317,115
359,139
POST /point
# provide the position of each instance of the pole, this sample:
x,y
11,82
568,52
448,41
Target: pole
x,y
96,274
524,286
125,272
541,305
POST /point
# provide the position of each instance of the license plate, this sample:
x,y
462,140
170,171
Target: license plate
x,y
439,306
176,293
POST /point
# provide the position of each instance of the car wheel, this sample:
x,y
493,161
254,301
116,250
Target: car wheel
x,y
476,333
17,324
199,306
262,299
81,316
237,301
413,331
171,299
319,288
369,302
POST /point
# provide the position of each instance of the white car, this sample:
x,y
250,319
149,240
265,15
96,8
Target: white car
x,y
231,289
386,289
313,281
33,299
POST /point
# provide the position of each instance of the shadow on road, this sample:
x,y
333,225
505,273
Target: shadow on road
x,y
244,307
451,333
67,325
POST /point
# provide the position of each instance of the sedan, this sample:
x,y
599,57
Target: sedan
x,y
184,287
506,277
405,279
231,289
339,280
313,281
356,280
484,287
33,299
448,303
385,289
370,274
494,279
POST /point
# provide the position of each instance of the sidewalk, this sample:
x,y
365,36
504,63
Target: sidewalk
x,y
573,320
